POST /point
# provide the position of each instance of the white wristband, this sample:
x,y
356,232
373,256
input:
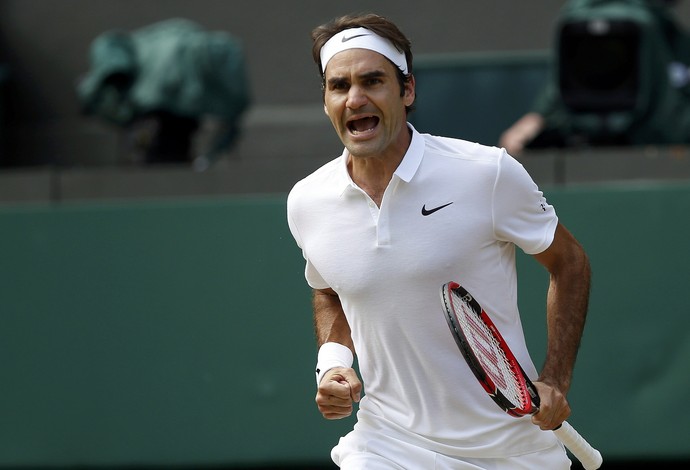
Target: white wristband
x,y
332,355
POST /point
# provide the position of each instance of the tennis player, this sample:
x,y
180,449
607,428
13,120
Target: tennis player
x,y
382,227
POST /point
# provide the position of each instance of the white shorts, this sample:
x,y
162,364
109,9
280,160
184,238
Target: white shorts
x,y
375,451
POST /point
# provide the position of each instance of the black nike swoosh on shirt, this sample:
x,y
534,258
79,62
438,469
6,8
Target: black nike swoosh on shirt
x,y
426,211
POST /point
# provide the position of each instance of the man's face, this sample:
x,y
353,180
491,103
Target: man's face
x,y
362,99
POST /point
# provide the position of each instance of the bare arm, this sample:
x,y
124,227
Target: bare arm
x,y
330,324
566,310
340,386
516,137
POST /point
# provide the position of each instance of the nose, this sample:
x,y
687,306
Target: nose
x,y
356,97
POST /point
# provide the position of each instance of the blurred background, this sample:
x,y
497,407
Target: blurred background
x,y
153,311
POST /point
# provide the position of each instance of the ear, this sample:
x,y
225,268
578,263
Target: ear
x,y
325,109
409,91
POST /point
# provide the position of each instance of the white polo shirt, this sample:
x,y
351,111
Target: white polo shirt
x,y
454,210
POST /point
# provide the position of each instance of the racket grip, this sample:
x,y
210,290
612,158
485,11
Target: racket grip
x,y
589,457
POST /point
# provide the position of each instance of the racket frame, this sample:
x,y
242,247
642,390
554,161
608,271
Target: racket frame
x,y
528,390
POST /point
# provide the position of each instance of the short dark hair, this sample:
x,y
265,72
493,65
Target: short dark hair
x,y
376,23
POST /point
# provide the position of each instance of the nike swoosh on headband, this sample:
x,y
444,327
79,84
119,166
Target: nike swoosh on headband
x,y
345,39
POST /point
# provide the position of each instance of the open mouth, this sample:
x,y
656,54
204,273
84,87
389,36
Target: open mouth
x,y
365,124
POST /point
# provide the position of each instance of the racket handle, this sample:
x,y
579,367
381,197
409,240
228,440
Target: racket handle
x,y
589,457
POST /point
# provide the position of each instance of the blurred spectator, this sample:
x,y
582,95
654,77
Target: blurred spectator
x,y
621,77
160,82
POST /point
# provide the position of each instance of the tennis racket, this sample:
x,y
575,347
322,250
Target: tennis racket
x,y
494,365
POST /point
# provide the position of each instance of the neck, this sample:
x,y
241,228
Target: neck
x,y
373,173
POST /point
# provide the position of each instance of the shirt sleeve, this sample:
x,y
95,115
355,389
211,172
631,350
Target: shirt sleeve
x,y
521,213
314,279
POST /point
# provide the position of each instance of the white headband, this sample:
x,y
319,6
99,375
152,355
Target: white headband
x,y
362,38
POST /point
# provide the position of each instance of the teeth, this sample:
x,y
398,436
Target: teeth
x,y
356,131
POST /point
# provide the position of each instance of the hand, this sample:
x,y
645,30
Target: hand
x,y
554,408
339,388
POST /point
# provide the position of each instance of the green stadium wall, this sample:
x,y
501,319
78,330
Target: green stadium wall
x,y
179,332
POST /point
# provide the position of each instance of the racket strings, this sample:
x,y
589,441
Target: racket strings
x,y
488,351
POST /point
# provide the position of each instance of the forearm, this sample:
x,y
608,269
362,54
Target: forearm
x,y
567,302
338,383
330,323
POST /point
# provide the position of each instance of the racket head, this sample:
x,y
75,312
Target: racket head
x,y
487,353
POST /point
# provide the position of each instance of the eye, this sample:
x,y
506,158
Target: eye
x,y
338,85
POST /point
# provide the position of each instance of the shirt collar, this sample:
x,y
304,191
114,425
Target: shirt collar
x,y
405,171
413,157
